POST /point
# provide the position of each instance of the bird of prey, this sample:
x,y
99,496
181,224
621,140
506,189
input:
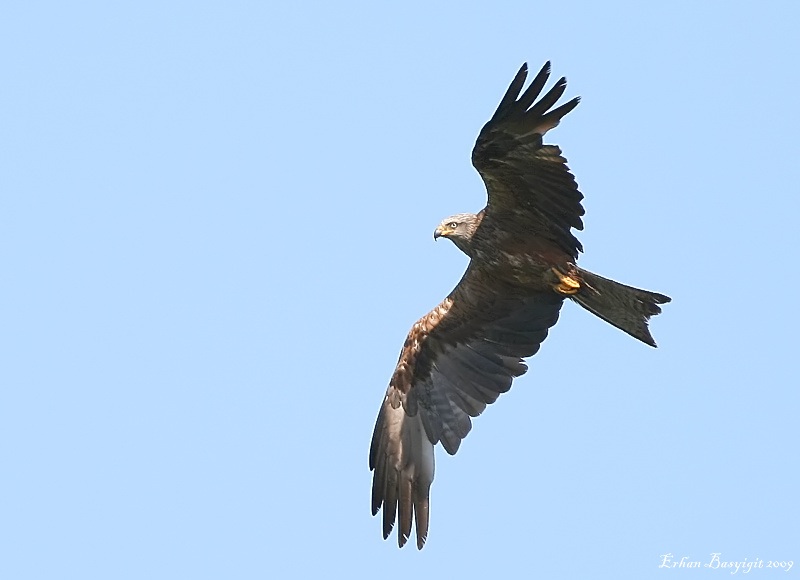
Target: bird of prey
x,y
463,354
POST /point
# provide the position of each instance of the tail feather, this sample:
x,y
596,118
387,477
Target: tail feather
x,y
625,307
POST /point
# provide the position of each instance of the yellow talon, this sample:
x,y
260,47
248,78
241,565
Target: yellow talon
x,y
567,284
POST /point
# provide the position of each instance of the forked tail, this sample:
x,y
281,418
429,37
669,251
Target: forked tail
x,y
625,307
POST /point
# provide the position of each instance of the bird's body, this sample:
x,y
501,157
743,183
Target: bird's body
x,y
464,353
523,263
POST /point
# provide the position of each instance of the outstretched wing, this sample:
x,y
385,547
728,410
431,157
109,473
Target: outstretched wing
x,y
528,183
456,360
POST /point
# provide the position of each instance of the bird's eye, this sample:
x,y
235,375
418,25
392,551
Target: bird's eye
x,y
453,225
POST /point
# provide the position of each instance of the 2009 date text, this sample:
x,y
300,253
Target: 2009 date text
x,y
716,562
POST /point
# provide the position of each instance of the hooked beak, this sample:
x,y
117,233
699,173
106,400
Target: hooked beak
x,y
440,232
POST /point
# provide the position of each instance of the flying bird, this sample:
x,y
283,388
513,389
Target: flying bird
x,y
464,353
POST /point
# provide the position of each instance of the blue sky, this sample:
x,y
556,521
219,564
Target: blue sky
x,y
215,232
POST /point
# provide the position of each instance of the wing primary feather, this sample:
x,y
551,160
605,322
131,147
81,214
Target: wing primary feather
x,y
421,515
562,110
405,509
549,99
378,485
536,86
508,100
553,118
389,501
377,434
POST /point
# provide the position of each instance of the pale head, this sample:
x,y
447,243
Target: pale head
x,y
459,229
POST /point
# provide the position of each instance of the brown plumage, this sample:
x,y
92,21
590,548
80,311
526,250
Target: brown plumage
x,y
464,353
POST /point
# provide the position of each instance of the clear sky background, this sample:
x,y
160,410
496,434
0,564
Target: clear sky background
x,y
216,229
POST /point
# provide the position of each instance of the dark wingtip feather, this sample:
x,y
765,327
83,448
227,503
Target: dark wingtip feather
x,y
512,93
545,68
549,99
534,89
389,506
405,510
422,516
561,111
401,539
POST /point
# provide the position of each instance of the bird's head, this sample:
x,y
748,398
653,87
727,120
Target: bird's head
x,y
459,229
